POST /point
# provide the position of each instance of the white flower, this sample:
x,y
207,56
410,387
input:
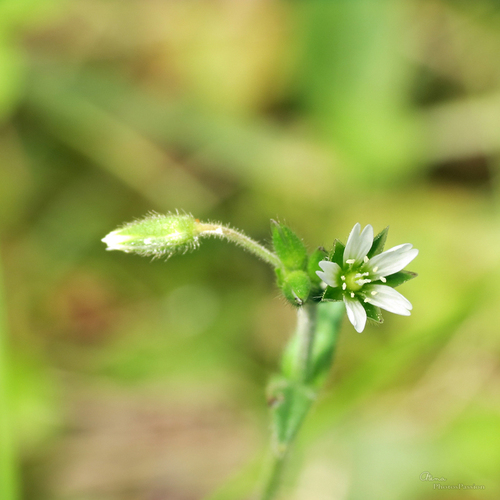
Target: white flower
x,y
363,276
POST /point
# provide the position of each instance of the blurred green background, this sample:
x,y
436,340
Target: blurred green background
x,y
126,379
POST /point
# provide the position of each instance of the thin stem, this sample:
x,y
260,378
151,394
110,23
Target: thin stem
x,y
209,229
9,484
306,327
273,478
305,333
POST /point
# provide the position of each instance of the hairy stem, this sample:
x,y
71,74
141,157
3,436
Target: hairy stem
x,y
306,327
237,237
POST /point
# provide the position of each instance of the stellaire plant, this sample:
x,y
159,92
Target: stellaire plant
x,y
358,277
363,277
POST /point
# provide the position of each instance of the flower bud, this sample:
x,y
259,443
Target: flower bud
x,y
296,287
156,235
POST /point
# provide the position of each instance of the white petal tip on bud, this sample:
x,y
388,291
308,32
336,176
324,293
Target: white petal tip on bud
x,y
115,241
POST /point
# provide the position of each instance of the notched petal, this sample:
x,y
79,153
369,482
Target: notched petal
x,y
356,313
358,244
331,273
389,299
392,261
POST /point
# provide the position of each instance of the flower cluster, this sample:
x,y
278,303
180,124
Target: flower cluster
x,y
363,276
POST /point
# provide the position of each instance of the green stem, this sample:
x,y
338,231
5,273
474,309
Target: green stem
x,y
272,481
209,229
9,484
305,333
306,327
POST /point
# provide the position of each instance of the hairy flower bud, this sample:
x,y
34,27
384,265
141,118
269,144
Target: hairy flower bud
x,y
296,287
156,235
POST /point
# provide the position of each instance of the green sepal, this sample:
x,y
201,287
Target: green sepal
x,y
313,265
280,275
332,293
337,254
373,312
289,247
289,402
378,243
397,279
296,287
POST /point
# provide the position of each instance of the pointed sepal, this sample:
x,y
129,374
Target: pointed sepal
x,y
337,254
313,265
378,243
289,247
399,278
334,294
373,312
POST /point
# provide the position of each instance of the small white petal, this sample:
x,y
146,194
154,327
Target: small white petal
x,y
358,243
393,260
389,299
115,241
356,313
331,274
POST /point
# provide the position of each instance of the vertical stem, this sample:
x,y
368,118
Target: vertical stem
x,y
273,478
9,484
306,326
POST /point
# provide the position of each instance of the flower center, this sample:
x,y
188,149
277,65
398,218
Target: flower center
x,y
351,281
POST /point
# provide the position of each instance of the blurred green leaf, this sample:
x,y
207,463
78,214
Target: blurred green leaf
x,y
329,321
289,401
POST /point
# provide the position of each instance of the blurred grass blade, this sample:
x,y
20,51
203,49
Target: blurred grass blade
x,y
253,151
136,160
241,484
9,484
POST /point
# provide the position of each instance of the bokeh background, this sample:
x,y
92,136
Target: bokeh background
x,y
126,379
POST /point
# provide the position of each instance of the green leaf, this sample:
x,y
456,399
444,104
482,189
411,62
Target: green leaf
x,y
378,243
333,293
373,312
289,247
329,320
397,279
313,265
337,254
289,401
